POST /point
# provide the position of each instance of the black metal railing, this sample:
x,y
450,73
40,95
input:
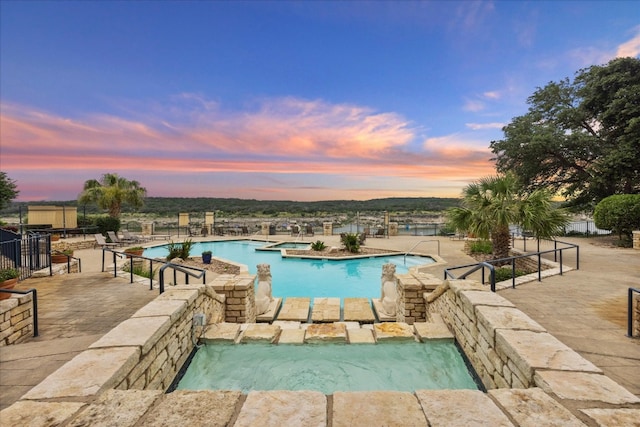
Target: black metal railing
x,y
187,270
552,248
69,258
490,265
35,304
630,310
25,253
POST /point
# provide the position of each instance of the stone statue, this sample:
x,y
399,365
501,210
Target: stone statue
x,y
263,292
389,293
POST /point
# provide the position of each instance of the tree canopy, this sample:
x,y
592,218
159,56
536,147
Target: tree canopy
x,y
619,213
579,138
491,204
111,192
8,190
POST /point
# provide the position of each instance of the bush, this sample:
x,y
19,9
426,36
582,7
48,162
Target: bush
x,y
8,274
107,223
481,247
506,273
179,250
140,270
351,242
318,245
619,213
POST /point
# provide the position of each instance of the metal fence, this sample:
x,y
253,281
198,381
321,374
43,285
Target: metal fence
x,y
26,254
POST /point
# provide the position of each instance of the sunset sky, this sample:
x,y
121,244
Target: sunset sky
x,y
282,100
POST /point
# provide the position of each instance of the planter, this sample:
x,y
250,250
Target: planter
x,y
7,284
206,258
59,259
55,237
137,252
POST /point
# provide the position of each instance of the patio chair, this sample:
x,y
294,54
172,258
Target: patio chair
x,y
295,230
100,241
133,237
310,231
379,233
114,238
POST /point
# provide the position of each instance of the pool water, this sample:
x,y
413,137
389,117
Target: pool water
x,y
298,277
328,367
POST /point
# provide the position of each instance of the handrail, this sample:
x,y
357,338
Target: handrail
x,y
417,244
630,311
35,304
69,258
184,269
176,267
511,260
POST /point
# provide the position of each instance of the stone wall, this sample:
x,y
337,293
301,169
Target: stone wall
x,y
506,348
636,239
16,319
239,291
411,287
144,352
61,245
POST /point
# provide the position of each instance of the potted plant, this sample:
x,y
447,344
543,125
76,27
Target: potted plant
x,y
206,257
8,280
55,237
135,250
61,257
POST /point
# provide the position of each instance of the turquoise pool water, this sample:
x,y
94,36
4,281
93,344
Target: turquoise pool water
x,y
295,277
328,367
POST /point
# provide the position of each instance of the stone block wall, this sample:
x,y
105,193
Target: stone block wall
x,y
144,352
239,291
16,319
506,348
636,239
411,287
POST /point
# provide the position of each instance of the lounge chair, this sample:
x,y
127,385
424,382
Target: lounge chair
x,y
379,233
114,238
310,231
295,230
132,237
100,241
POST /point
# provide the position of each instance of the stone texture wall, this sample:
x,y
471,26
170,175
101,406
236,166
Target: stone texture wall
x,y
16,319
506,348
83,244
143,352
636,239
411,287
239,291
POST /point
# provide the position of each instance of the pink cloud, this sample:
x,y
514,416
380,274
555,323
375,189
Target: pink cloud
x,y
284,137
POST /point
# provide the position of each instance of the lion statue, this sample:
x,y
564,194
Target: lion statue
x,y
263,292
389,293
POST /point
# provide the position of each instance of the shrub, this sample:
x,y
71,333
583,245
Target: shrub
x,y
140,270
481,247
351,242
106,223
619,213
179,250
318,245
8,274
506,273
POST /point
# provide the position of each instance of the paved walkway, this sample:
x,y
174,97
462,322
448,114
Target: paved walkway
x,y
586,309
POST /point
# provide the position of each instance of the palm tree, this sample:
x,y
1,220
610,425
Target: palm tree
x,y
111,192
491,204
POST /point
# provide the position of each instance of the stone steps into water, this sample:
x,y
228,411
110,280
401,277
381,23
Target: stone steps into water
x,y
295,309
326,310
358,310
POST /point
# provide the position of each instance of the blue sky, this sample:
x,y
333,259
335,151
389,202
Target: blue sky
x,y
282,100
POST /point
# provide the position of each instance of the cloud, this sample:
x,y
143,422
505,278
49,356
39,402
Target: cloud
x,y
172,148
630,48
484,126
473,105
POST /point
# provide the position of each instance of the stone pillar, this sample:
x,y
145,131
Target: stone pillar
x,y
148,228
265,228
240,300
636,239
327,228
393,229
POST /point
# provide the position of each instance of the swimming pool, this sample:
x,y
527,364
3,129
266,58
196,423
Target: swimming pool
x,y
300,277
328,367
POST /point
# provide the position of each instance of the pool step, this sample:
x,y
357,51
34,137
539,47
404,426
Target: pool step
x,y
325,310
358,310
296,309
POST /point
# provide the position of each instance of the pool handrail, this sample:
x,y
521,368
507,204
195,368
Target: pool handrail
x,y
417,244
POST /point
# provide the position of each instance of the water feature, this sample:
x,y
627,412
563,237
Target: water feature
x,y
328,367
